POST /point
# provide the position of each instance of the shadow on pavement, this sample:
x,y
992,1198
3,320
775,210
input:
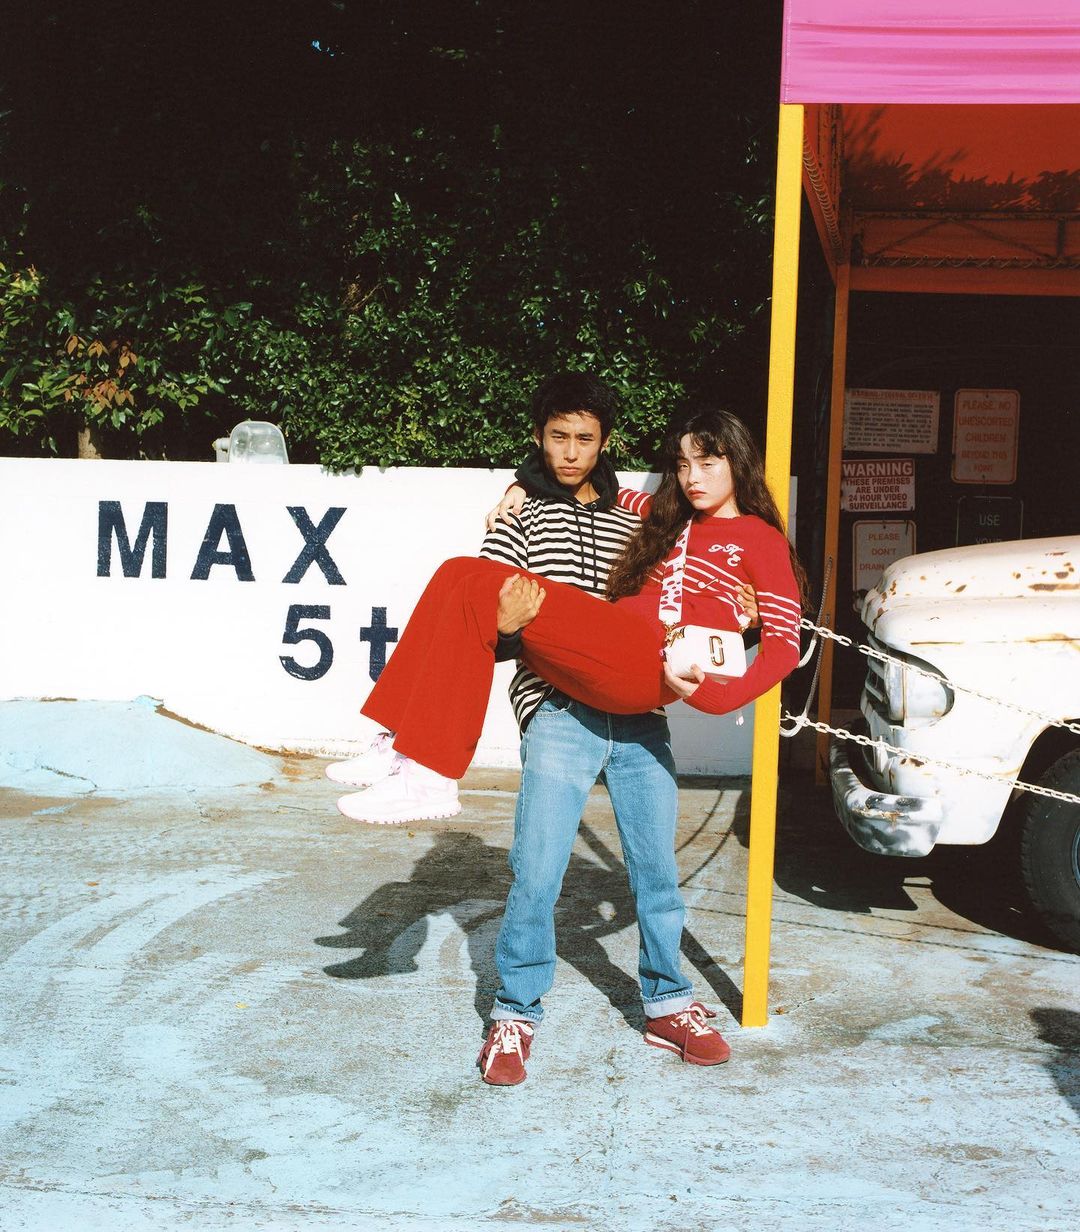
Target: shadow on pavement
x,y
464,878
1061,1029
817,862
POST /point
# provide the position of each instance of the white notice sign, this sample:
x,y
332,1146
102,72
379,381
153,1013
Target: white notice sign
x,y
877,484
985,427
891,420
875,546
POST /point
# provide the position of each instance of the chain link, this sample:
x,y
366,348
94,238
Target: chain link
x,y
799,721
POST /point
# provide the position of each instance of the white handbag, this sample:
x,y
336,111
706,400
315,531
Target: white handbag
x,y
720,653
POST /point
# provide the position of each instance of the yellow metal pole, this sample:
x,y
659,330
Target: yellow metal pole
x,y
766,764
832,501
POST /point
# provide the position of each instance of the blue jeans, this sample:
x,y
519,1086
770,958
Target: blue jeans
x,y
566,747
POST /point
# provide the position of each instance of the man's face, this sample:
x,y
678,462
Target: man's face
x,y
571,445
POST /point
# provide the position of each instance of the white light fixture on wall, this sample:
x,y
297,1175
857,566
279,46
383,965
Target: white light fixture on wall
x,y
252,441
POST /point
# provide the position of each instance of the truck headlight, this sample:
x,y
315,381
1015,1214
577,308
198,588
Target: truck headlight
x,y
906,697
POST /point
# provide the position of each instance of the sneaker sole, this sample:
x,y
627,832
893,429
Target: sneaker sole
x,y
495,1082
657,1042
431,814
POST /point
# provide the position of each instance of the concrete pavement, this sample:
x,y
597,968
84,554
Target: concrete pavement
x,y
225,1006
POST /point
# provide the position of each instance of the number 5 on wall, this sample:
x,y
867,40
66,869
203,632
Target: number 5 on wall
x,y
294,635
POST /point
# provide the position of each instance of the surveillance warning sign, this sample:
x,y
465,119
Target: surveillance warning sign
x,y
877,485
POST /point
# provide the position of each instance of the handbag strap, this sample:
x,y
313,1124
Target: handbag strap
x,y
671,588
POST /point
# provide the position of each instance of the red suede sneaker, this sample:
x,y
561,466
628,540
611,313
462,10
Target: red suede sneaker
x,y
505,1051
688,1034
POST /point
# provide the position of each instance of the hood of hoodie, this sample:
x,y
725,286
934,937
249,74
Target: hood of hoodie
x,y
537,480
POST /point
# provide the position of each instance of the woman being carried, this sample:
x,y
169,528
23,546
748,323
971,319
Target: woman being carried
x,y
712,525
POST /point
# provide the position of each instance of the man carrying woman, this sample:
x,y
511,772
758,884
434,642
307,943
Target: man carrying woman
x,y
712,529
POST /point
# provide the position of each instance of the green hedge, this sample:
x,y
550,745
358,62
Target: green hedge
x,y
384,274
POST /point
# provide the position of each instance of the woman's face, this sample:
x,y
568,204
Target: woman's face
x,y
706,480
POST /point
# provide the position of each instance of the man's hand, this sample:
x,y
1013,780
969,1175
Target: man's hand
x,y
684,686
510,505
748,599
520,600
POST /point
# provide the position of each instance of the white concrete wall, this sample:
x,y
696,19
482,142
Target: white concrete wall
x,y
211,649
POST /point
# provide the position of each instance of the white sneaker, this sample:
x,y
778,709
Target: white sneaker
x,y
410,793
371,766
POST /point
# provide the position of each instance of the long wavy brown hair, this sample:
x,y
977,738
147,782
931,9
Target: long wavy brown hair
x,y
713,431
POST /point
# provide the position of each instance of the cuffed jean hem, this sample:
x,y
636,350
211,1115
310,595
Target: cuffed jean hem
x,y
503,1013
670,1003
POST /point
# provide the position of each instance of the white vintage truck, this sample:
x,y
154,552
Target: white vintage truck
x,y
1003,619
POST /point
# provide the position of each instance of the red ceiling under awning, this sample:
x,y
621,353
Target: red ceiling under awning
x,y
1028,148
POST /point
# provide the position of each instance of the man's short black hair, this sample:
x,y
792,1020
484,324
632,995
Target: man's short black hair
x,y
567,392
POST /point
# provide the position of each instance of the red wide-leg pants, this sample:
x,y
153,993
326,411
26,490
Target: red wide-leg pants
x,y
434,690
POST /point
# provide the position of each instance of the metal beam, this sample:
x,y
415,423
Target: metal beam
x,y
766,764
832,502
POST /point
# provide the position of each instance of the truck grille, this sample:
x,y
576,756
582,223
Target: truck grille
x,y
900,693
874,685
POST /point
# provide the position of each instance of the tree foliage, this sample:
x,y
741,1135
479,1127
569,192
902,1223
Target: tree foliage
x,y
378,223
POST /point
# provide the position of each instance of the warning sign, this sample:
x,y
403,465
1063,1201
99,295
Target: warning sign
x,y
891,420
985,427
875,545
877,485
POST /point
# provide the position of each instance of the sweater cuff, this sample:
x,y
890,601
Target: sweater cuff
x,y
712,697
508,647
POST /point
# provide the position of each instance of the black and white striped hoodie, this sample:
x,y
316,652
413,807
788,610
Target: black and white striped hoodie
x,y
562,539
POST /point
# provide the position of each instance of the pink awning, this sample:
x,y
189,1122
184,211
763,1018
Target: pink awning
x,y
931,51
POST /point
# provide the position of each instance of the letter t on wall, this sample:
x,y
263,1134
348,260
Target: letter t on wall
x,y
378,635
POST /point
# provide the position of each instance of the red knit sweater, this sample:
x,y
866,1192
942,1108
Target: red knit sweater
x,y
722,552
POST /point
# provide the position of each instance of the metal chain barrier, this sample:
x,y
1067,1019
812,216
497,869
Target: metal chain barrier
x,y
868,742
871,652
799,721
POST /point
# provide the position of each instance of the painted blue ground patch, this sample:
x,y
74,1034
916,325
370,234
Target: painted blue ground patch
x,y
76,748
233,1010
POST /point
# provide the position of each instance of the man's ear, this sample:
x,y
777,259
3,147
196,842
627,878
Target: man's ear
x,y
610,440
537,438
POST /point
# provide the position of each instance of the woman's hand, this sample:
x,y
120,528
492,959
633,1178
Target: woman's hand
x,y
510,505
684,686
520,600
748,599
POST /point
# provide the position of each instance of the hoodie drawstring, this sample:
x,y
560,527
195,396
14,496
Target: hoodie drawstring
x,y
595,584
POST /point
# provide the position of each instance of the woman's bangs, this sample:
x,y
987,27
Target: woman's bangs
x,y
708,443
707,430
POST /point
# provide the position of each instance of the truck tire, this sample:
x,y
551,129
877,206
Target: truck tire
x,y
1050,852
